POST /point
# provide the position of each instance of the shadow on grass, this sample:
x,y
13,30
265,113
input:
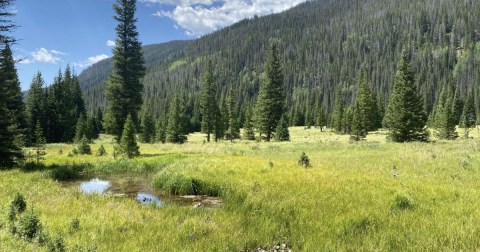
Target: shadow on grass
x,y
64,172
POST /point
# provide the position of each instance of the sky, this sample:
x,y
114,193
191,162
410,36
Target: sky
x,y
55,33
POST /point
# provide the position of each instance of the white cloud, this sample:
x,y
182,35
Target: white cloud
x,y
90,61
110,43
45,56
57,52
199,17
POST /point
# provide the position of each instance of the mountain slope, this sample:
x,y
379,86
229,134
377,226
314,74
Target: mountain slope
x,y
325,44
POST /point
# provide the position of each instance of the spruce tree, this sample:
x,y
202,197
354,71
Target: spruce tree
x,y
445,118
128,142
338,113
405,118
320,119
81,129
248,130
271,98
219,127
364,112
39,142
124,87
175,132
208,102
148,125
6,24
91,130
160,131
281,132
36,106
233,131
469,116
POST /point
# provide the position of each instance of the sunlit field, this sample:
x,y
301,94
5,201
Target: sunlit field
x,y
355,196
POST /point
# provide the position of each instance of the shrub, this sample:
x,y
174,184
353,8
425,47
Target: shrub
x,y
31,166
29,226
84,147
101,151
56,245
304,160
74,225
18,203
67,172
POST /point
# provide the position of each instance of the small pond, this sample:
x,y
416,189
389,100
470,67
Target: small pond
x,y
138,187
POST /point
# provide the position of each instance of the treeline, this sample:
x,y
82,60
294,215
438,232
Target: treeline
x,y
323,45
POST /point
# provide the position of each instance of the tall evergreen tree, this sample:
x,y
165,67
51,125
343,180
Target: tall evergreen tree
x,y
39,142
405,117
124,87
248,127
271,98
81,129
148,126
338,112
281,132
445,117
128,141
36,106
233,131
365,113
469,116
6,23
175,132
220,122
320,119
160,131
208,101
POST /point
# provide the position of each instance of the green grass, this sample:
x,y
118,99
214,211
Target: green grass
x,y
176,65
348,200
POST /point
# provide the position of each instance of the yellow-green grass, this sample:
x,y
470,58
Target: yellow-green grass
x,y
347,200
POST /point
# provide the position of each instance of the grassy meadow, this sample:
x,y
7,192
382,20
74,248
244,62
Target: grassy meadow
x,y
366,196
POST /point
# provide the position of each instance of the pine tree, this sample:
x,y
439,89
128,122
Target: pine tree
x,y
338,113
347,120
128,142
405,117
233,131
91,131
445,118
208,101
457,107
81,129
99,120
124,87
160,131
364,112
35,106
248,130
148,125
281,133
83,147
175,132
469,116
39,142
6,24
13,92
320,120
219,127
271,98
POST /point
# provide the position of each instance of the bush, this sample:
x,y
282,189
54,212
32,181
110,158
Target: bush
x,y
31,166
74,225
304,160
84,147
29,226
67,172
56,245
101,151
18,203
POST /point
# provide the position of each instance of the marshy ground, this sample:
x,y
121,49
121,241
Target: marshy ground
x,y
370,195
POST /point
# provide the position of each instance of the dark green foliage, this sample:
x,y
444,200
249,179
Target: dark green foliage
x,y
74,225
445,118
148,125
101,151
161,131
365,112
338,113
175,132
6,23
304,161
128,141
469,117
270,101
39,143
81,129
248,130
281,132
83,147
320,118
124,87
36,106
29,226
348,120
233,129
18,204
66,172
405,117
208,102
57,245
401,202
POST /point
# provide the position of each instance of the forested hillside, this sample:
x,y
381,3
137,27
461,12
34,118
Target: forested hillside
x,y
323,45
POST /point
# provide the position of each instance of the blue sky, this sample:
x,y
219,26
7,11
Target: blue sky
x,y
54,33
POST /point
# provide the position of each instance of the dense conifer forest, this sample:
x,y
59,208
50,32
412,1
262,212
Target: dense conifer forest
x,y
324,46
